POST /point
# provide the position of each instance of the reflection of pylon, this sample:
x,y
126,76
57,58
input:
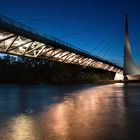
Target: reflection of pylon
x,y
129,68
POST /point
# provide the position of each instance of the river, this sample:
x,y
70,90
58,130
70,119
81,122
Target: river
x,y
74,112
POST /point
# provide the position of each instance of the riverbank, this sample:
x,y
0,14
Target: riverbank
x,y
117,81
23,70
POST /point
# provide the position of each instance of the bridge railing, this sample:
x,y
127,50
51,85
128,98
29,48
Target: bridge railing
x,y
32,30
49,37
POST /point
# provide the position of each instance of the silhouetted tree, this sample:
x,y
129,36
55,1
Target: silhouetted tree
x,y
30,70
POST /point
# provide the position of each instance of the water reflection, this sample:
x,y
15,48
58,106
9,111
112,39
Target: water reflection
x,y
93,113
23,127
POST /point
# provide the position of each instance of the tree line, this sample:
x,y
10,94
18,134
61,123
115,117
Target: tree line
x,y
30,70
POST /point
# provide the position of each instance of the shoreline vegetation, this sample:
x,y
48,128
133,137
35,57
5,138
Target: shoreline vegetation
x,y
23,70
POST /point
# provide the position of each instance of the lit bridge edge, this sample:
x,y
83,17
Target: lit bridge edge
x,y
16,41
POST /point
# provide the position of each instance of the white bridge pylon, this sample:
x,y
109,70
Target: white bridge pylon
x,y
131,71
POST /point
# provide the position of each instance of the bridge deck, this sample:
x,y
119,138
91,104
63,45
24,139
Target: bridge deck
x,y
19,39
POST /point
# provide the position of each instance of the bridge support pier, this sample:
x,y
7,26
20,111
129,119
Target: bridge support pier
x,y
119,76
125,78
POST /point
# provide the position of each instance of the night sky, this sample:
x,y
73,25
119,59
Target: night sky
x,y
96,26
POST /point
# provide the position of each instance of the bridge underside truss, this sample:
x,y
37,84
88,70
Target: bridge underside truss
x,y
22,46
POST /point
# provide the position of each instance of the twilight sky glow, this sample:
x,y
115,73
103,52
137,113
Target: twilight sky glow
x,y
96,26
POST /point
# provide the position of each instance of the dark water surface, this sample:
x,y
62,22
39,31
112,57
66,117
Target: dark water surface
x,y
80,112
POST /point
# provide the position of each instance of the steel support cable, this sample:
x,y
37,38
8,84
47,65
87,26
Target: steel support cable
x,y
112,51
99,44
116,50
93,39
81,32
103,46
93,28
106,47
69,35
108,52
104,32
101,34
96,44
116,54
111,57
90,41
119,60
